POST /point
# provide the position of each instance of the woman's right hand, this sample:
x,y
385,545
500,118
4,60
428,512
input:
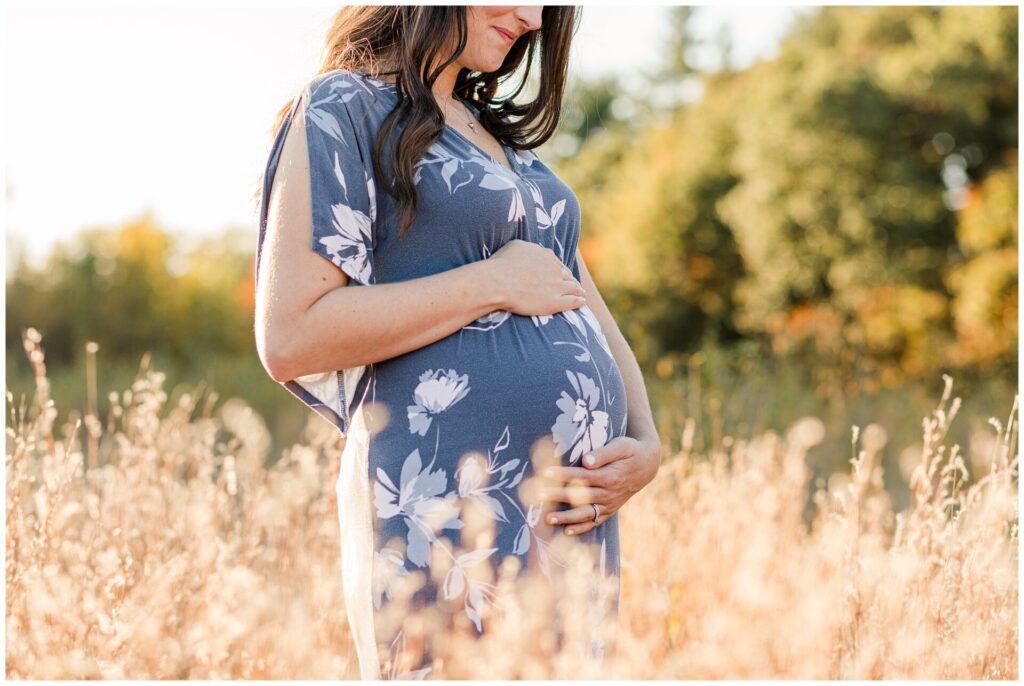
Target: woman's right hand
x,y
534,281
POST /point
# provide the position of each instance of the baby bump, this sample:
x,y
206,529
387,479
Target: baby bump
x,y
466,417
551,376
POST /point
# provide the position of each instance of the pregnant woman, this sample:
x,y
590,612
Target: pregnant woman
x,y
444,320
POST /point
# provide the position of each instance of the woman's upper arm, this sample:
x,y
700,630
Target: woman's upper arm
x,y
318,214
292,277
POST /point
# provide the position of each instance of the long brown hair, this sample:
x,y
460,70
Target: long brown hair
x,y
409,39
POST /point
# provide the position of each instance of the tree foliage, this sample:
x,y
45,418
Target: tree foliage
x,y
827,201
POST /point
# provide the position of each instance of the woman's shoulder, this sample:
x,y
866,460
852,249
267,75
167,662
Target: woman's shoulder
x,y
347,87
341,100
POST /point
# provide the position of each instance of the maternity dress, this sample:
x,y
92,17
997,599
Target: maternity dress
x,y
463,413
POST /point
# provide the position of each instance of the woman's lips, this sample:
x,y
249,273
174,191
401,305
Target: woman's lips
x,y
508,37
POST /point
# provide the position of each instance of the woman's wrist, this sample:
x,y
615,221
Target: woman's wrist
x,y
648,438
651,447
486,289
489,287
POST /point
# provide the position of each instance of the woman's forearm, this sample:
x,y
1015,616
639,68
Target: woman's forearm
x,y
639,421
354,325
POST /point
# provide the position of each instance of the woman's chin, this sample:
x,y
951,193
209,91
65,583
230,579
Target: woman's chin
x,y
493,63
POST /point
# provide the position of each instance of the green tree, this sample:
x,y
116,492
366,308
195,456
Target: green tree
x,y
811,200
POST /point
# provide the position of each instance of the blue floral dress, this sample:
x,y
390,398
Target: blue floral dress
x,y
456,423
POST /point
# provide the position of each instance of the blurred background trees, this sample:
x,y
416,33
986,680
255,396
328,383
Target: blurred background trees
x,y
829,201
834,223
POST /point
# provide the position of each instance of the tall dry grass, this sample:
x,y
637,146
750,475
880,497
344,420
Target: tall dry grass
x,y
154,544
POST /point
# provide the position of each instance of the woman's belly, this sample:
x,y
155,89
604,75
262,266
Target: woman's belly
x,y
505,379
470,418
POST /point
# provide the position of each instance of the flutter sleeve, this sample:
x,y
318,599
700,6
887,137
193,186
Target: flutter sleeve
x,y
344,213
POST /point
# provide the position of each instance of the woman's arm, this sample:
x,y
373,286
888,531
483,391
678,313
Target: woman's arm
x,y
307,318
640,424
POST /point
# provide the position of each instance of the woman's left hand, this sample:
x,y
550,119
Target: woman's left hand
x,y
619,469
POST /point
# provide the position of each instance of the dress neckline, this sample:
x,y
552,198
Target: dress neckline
x,y
504,148
509,157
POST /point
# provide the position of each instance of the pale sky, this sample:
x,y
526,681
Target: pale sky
x,y
112,111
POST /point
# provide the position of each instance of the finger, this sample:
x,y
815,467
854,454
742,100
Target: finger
x,y
580,529
576,515
575,495
584,527
576,475
615,449
572,281
574,300
571,285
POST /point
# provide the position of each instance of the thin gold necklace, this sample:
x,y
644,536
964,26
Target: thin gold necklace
x,y
469,121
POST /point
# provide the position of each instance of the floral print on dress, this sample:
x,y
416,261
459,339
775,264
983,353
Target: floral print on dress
x,y
437,391
580,427
388,565
495,182
478,593
396,656
418,499
348,246
548,218
453,171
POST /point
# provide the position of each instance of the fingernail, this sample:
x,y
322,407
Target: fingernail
x,y
549,472
553,520
589,459
570,532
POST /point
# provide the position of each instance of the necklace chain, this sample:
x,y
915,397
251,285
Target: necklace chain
x,y
469,121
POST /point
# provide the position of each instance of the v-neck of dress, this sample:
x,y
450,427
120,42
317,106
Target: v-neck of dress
x,y
512,167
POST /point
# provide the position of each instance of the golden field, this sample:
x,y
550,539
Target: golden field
x,y
154,544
